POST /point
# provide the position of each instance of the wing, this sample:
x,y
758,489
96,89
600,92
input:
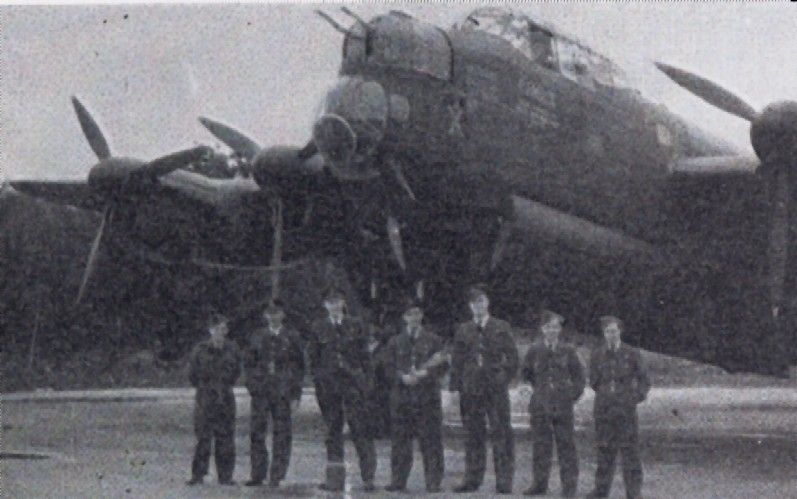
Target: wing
x,y
68,192
701,294
557,228
217,192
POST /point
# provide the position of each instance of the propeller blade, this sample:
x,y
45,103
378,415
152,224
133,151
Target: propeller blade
x,y
170,162
394,235
236,140
402,180
91,130
779,238
91,263
276,255
308,151
504,233
710,92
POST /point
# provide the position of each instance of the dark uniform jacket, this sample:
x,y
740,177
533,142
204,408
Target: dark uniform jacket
x,y
496,350
401,354
275,363
620,381
340,354
214,371
557,377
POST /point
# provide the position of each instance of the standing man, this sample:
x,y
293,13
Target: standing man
x,y
274,373
620,380
414,362
557,378
214,367
343,373
485,359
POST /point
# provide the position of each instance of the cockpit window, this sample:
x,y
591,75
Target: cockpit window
x,y
400,41
587,67
547,48
534,41
541,47
573,62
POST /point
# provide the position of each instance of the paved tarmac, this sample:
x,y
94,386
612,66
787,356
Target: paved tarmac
x,y
702,442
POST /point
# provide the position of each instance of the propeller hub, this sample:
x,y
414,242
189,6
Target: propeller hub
x,y
774,133
281,167
111,174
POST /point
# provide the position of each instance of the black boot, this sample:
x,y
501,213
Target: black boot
x,y
538,489
466,487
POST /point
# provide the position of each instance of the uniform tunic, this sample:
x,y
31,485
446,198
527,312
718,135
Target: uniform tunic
x,y
343,374
484,361
620,381
213,371
557,378
274,375
416,411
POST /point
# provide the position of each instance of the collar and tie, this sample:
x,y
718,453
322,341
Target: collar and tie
x,y
481,322
551,346
614,347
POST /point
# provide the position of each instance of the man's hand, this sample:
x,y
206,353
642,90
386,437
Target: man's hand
x,y
372,346
295,404
409,379
420,373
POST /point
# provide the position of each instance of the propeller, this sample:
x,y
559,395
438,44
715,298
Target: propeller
x,y
235,140
115,174
276,254
710,92
773,134
91,263
394,236
91,130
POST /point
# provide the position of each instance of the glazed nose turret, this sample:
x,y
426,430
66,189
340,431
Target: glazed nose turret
x,y
350,126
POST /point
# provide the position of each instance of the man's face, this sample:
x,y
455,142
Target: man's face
x,y
218,331
274,320
335,307
413,318
612,332
480,306
551,331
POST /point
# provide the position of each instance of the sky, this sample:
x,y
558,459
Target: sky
x,y
147,72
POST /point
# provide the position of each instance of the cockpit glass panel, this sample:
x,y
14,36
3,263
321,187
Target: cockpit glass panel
x,y
532,40
543,46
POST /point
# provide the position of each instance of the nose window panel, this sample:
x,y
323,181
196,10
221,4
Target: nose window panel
x,y
357,100
351,122
370,102
335,138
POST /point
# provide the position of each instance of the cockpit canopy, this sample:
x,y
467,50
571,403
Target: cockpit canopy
x,y
399,41
544,46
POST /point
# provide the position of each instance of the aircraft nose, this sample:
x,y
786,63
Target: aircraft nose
x,y
351,125
335,138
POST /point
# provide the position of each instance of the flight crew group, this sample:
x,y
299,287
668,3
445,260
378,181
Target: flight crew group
x,y
483,360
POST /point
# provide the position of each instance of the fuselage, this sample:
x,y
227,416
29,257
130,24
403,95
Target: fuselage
x,y
473,117
502,107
